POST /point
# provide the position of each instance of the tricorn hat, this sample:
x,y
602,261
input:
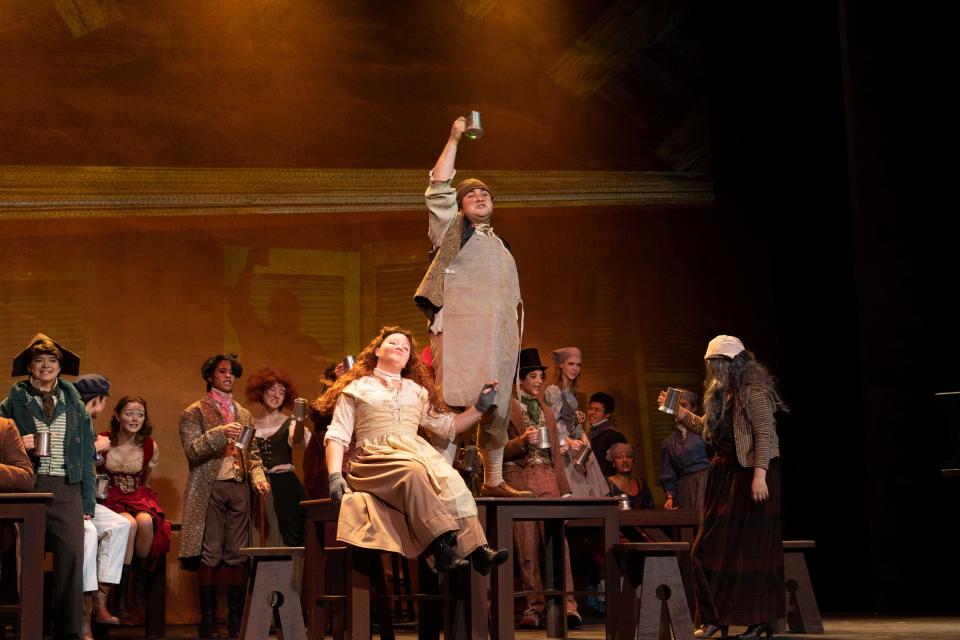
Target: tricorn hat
x,y
69,361
530,361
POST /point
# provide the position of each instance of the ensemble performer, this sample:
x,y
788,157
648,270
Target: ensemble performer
x,y
586,480
539,469
400,494
216,501
44,403
277,435
133,454
470,294
737,555
684,461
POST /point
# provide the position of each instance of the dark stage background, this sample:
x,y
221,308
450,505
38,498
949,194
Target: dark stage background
x,y
823,130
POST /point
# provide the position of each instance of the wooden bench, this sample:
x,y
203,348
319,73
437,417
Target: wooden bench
x,y
803,615
650,576
274,585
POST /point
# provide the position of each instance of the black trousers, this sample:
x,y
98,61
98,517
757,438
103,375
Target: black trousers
x,y
64,540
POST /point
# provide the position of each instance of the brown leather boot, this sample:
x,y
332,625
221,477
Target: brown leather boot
x,y
100,613
503,490
207,587
85,633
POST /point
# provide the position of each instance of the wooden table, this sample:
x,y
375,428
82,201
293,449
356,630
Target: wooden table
x,y
30,509
498,516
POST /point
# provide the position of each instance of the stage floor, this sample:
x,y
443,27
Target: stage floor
x,y
838,627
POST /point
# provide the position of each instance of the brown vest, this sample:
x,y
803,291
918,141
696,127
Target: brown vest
x,y
429,295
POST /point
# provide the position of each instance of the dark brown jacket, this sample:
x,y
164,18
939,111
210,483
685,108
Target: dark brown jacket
x,y
516,448
16,470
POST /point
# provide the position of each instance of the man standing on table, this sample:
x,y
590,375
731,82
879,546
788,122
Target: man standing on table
x,y
470,294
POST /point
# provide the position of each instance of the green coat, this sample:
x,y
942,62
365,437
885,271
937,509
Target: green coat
x,y
78,440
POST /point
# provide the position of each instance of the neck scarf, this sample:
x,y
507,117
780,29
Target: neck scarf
x,y
224,401
532,405
484,229
46,399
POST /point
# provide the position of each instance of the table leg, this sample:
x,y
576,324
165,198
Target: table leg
x,y
34,531
502,597
611,535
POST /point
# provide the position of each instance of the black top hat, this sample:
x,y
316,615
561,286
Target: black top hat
x,y
69,361
530,361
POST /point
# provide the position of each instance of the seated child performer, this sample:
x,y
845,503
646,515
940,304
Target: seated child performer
x,y
528,465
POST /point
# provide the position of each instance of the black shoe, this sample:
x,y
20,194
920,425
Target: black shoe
x,y
444,557
208,612
485,556
711,630
757,631
573,620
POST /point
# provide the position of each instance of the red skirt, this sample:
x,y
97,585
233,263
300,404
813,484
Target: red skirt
x,y
738,553
143,500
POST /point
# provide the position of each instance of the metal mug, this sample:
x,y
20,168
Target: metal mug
x,y
245,437
467,461
41,444
97,459
581,459
299,409
672,401
348,362
474,129
103,486
543,433
624,503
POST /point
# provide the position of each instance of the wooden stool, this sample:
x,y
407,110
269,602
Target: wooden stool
x,y
657,586
274,585
803,615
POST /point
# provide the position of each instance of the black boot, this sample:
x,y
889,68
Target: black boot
x,y
139,570
486,556
120,594
208,612
444,557
236,595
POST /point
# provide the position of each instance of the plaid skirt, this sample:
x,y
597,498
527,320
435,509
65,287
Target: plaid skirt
x,y
738,553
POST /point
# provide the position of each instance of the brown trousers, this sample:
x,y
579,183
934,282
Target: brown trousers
x,y
226,529
528,535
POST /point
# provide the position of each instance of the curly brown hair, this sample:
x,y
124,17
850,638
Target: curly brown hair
x,y
366,362
145,430
263,379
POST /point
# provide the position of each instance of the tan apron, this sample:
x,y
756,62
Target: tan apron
x,y
480,337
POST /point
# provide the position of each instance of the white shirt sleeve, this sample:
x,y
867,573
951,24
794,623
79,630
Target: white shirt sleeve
x,y
439,423
341,427
441,200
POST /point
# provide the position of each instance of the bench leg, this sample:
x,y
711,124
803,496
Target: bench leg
x,y
663,589
799,587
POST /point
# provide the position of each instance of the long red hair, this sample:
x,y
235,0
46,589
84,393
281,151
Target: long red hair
x,y
366,362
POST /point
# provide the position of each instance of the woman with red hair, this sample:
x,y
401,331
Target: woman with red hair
x,y
277,435
400,495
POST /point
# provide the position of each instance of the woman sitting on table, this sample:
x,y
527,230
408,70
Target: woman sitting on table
x,y
626,482
401,495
